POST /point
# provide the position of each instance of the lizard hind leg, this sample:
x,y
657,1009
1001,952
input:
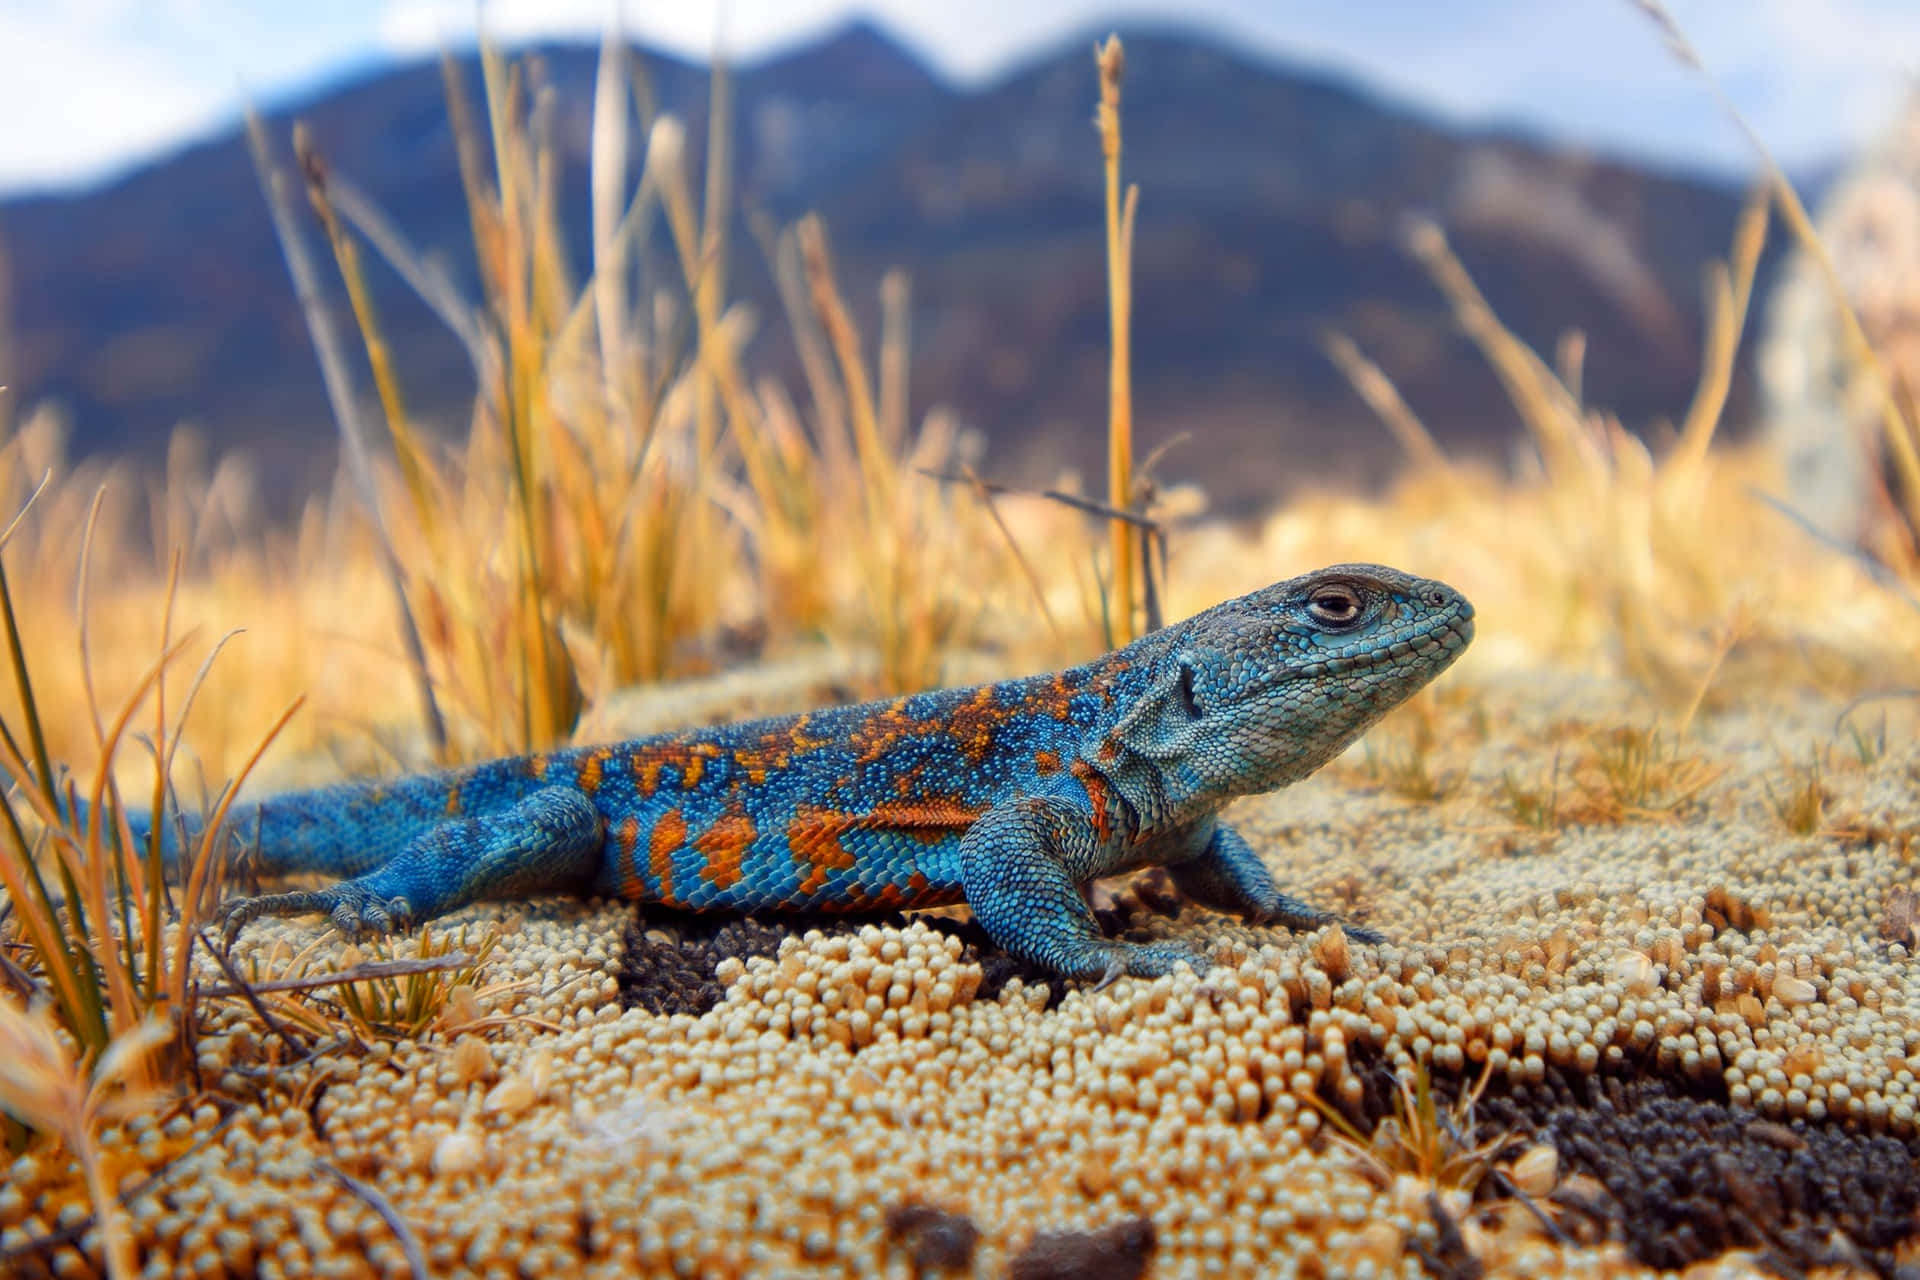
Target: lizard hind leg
x,y
552,839
1018,866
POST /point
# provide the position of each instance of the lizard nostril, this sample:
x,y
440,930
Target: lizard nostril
x,y
1438,597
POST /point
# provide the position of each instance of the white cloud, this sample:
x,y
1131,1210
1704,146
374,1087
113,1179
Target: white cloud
x,y
90,85
80,95
750,27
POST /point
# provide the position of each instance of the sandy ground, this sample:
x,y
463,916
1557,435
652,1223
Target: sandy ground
x,y
1674,966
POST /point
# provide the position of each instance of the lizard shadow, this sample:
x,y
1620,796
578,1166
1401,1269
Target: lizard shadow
x,y
671,954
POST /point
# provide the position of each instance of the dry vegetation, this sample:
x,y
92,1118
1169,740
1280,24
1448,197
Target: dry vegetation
x,y
629,496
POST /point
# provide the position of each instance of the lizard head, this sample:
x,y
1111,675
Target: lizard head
x,y
1261,691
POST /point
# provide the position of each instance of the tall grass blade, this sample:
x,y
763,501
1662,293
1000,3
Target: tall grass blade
x,y
1111,61
333,368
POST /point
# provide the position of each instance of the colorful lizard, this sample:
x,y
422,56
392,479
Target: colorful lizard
x,y
1010,797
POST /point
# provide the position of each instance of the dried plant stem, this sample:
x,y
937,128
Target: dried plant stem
x,y
1729,294
875,464
710,288
333,368
1111,60
386,381
1384,399
1902,435
896,298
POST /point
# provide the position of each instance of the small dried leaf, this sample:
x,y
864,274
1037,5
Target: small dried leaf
x,y
1536,1170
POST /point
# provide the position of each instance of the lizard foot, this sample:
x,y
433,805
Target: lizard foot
x,y
1149,960
1297,915
353,909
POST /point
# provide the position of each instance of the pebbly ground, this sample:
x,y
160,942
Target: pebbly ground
x,y
1658,980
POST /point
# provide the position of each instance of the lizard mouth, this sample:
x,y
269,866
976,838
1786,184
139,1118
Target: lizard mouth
x,y
1452,635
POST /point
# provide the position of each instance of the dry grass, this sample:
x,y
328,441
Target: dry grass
x,y
1800,800
1611,776
655,495
47,1087
1124,565
437,988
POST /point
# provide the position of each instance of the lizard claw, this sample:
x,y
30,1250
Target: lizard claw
x,y
1150,960
1298,916
349,907
1359,932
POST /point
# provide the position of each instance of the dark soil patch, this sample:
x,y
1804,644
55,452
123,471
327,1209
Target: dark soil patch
x,y
671,955
935,1239
1117,1252
1689,1177
670,958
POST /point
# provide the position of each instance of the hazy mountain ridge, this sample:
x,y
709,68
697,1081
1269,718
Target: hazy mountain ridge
x,y
1270,209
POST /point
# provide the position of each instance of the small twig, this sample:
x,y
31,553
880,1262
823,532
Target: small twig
x,y
1013,544
409,1243
1511,1188
16,977
6,535
1880,695
359,973
1091,506
1881,573
250,994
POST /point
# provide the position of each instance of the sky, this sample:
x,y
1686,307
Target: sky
x,y
93,87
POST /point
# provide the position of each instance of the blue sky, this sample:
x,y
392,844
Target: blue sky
x,y
92,86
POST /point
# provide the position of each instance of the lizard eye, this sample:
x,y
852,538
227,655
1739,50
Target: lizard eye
x,y
1188,699
1335,605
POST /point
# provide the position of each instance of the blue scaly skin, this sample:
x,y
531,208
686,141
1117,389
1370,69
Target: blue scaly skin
x,y
1010,797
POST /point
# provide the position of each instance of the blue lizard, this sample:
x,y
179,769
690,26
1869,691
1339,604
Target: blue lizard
x,y
1009,796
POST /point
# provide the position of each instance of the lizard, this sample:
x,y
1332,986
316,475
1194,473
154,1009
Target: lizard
x,y
1011,796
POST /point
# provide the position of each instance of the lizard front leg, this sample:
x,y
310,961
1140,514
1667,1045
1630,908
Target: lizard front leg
x,y
550,840
1229,876
1022,865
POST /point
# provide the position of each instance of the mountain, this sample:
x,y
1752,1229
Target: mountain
x,y
1272,202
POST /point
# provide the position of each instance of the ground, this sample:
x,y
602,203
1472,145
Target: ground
x,y
1679,960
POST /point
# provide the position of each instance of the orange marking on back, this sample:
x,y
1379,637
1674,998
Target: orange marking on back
x,y
591,769
1046,762
536,767
725,846
813,841
974,722
687,757
875,735
770,754
669,835
909,782
453,801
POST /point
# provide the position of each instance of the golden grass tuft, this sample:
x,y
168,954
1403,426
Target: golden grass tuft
x,y
49,1088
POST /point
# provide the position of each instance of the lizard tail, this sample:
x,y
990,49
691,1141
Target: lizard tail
x,y
80,817
341,830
